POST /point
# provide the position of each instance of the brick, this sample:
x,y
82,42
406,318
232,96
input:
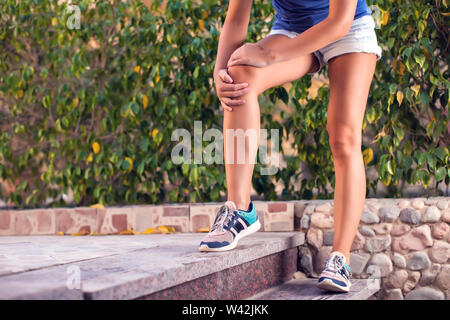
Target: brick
x,y
146,216
112,220
7,222
182,211
209,210
280,226
284,218
277,207
35,222
181,224
119,221
200,221
73,220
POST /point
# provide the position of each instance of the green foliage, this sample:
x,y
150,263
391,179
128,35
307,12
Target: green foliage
x,y
92,110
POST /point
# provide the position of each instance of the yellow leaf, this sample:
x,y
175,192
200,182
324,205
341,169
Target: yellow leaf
x,y
89,159
163,229
144,101
60,233
388,182
127,159
96,147
416,89
75,102
20,94
201,25
137,69
97,206
54,22
367,155
151,231
203,229
204,14
399,97
128,232
157,79
385,18
81,233
154,132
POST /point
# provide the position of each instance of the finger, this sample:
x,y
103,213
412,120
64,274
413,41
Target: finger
x,y
236,93
227,78
225,107
223,74
231,102
233,87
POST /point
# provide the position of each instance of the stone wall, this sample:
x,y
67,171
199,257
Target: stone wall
x,y
406,240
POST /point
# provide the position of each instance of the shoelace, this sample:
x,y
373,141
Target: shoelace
x,y
335,264
223,216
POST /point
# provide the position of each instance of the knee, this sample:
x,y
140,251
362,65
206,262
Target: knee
x,y
243,73
345,145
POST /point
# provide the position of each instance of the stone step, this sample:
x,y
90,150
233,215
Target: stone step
x,y
306,289
143,266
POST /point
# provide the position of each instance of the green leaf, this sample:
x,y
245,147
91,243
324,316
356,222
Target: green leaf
x,y
196,71
420,58
440,174
431,160
440,153
389,167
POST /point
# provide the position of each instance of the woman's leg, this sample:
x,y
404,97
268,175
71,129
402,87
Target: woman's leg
x,y
350,77
239,173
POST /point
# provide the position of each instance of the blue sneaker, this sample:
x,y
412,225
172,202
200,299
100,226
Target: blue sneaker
x,y
336,274
230,225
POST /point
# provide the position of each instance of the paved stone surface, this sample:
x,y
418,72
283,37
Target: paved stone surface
x,y
119,267
306,289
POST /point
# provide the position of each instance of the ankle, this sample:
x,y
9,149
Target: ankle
x,y
241,204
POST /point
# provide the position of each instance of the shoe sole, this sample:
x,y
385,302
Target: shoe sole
x,y
329,285
252,229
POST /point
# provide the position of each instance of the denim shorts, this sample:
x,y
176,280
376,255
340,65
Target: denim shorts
x,y
360,38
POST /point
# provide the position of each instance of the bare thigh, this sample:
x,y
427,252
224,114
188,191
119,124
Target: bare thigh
x,y
261,79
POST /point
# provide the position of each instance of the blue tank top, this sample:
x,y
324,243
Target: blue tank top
x,y
300,15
